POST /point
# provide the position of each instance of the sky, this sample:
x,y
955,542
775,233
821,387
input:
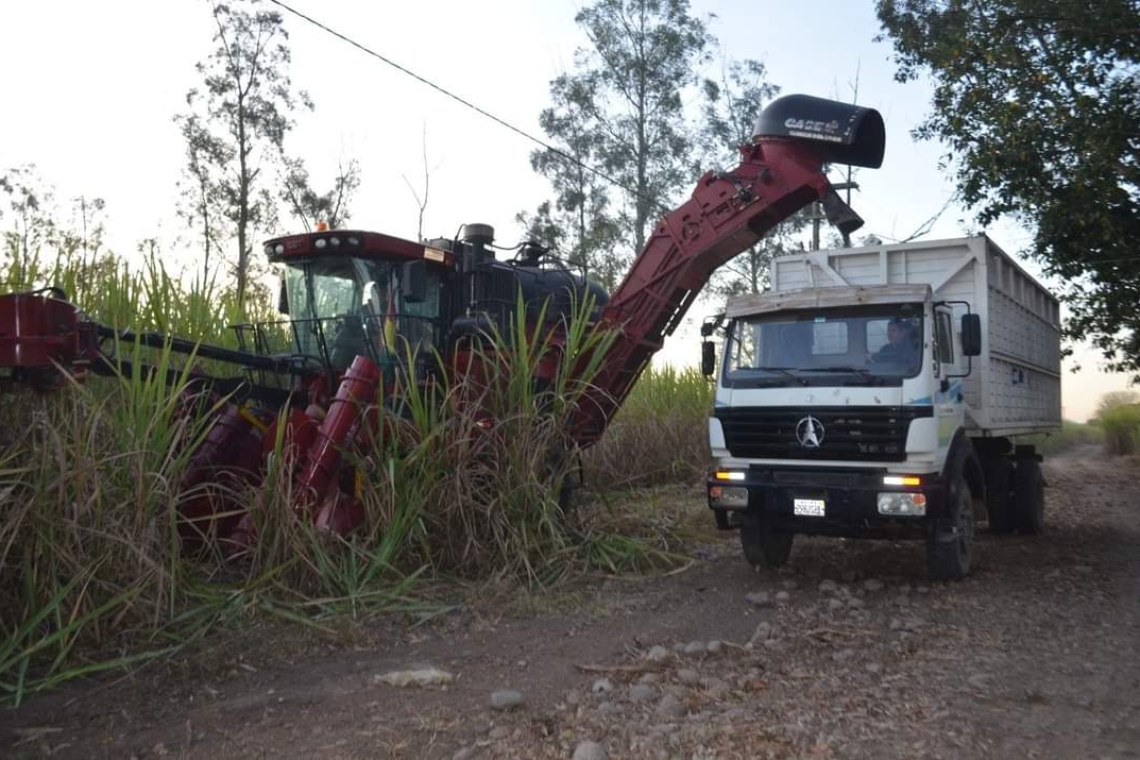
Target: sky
x,y
91,90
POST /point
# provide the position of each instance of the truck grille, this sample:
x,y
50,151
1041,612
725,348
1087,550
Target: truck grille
x,y
849,432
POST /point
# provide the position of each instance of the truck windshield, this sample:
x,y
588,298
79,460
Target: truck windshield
x,y
344,307
873,345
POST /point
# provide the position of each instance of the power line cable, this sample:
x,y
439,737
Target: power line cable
x,y
472,106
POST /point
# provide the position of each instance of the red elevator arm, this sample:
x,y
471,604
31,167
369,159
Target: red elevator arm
x,y
727,214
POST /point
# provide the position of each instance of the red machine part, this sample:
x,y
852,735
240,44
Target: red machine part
x,y
229,458
38,332
323,458
726,214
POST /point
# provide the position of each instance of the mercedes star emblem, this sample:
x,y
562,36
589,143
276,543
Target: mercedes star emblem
x,y
809,432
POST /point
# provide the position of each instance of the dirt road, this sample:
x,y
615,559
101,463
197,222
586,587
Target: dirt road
x,y
849,652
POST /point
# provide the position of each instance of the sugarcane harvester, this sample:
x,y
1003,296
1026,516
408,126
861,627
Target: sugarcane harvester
x,y
353,297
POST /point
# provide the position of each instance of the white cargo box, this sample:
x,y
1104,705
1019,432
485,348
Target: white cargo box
x,y
1015,385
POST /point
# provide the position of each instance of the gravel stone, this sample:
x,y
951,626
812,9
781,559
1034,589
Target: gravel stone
x,y
499,732
657,654
602,686
835,604
506,699
464,753
783,596
873,585
687,676
715,647
694,648
641,692
760,599
763,632
590,751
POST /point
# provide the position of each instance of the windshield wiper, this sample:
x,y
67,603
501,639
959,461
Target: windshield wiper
x,y
783,371
863,373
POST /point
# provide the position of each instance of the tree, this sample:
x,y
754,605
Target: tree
x,y
579,223
31,226
1038,102
1115,400
622,109
237,123
309,206
202,205
730,108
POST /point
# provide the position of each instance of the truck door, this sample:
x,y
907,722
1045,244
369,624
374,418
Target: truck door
x,y
949,406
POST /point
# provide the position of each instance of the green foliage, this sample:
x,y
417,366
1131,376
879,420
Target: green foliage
x,y
1115,399
660,434
1121,426
620,111
1037,102
1072,435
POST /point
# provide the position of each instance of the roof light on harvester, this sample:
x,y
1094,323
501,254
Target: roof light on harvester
x,y
320,243
280,249
902,480
334,241
729,475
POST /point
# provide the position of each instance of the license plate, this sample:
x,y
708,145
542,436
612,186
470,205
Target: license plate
x,y
808,507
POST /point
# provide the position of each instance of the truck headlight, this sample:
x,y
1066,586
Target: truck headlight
x,y
902,504
727,496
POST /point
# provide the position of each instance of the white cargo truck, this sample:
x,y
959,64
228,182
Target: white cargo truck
x,y
881,392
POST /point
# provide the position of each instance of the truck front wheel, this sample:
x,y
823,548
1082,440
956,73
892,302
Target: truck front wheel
x,y
950,547
764,547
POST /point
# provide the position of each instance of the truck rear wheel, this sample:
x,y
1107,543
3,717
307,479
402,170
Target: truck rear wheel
x,y
949,549
999,495
764,547
1029,497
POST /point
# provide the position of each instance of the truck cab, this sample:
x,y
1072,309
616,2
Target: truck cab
x,y
859,398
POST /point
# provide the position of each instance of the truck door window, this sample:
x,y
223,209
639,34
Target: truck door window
x,y
945,338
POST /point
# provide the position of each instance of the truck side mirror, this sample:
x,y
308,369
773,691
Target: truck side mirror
x,y
413,282
708,358
283,298
971,334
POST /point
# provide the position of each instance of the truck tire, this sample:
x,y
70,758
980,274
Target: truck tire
x,y
999,495
764,547
1029,497
950,547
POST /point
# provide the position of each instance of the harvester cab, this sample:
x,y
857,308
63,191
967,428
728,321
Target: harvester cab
x,y
351,293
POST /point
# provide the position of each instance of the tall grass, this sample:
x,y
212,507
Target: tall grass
x,y
660,434
1121,426
1072,435
462,478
